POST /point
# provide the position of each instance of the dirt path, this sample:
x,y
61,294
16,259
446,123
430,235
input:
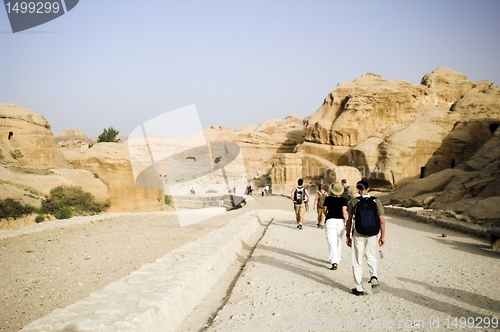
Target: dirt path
x,y
51,269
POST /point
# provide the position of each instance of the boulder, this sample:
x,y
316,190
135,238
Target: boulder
x,y
431,184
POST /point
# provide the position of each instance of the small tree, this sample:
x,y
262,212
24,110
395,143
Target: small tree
x,y
108,135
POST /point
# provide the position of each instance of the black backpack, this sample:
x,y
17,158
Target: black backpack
x,y
366,216
298,197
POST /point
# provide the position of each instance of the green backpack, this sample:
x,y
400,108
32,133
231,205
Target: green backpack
x,y
346,195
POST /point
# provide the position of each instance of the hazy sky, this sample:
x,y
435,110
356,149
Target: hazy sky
x,y
120,63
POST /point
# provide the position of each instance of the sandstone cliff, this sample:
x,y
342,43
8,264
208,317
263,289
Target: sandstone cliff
x,y
394,131
26,139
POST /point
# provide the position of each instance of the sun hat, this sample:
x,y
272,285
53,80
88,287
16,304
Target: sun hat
x,y
336,189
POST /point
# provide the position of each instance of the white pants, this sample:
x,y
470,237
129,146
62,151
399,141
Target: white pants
x,y
334,233
363,246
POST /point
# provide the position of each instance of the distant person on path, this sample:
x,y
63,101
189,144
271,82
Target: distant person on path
x,y
368,214
299,196
319,198
248,191
335,209
347,194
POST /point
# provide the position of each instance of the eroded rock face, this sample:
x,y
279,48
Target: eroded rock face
x,y
110,163
26,139
398,132
472,188
355,110
260,144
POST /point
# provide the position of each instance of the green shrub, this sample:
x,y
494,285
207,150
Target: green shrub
x,y
168,200
67,201
211,191
39,219
108,135
10,208
96,175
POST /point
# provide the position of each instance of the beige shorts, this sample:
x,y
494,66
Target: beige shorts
x,y
321,214
299,211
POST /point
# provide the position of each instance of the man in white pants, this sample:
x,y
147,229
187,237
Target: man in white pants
x,y
364,245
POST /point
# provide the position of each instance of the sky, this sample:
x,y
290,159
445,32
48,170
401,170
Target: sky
x,y
120,63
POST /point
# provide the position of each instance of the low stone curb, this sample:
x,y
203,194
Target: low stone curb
x,y
160,295
456,225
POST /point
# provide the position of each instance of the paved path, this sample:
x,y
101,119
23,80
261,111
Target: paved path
x,y
428,282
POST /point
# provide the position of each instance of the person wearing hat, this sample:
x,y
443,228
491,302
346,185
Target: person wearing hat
x,y
335,208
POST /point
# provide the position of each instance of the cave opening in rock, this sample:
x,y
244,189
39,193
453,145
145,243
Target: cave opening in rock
x,y
493,127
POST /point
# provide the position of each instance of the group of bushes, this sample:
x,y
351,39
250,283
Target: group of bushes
x,y
64,202
10,208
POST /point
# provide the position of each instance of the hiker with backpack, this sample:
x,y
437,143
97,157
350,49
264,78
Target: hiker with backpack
x,y
369,221
347,194
335,208
319,199
299,196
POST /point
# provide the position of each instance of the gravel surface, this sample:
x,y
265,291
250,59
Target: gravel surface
x,y
428,282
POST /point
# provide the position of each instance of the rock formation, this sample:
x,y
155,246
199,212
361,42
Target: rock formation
x,y
111,164
72,137
394,131
26,139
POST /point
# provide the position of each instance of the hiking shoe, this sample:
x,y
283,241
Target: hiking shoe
x,y
299,226
334,266
357,292
375,285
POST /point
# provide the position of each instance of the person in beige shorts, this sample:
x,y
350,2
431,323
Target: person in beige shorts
x,y
299,196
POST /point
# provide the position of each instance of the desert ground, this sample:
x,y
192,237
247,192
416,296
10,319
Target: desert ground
x,y
285,285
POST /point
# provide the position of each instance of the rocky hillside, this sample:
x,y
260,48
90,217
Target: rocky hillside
x,y
435,144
